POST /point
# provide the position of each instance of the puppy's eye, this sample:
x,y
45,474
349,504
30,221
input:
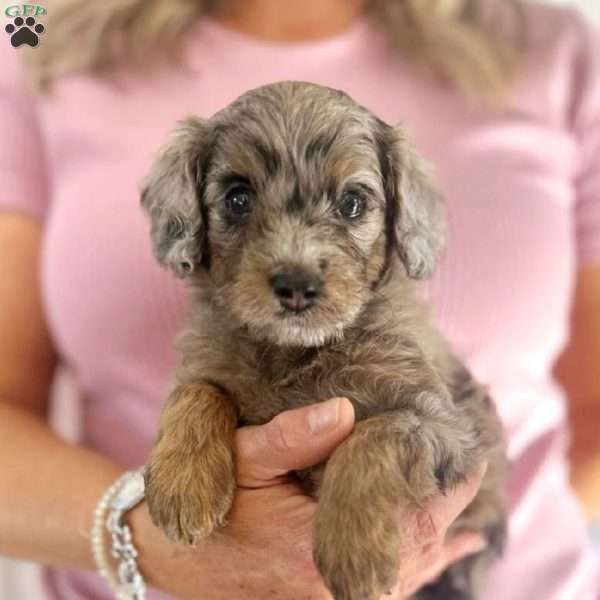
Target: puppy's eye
x,y
352,205
238,200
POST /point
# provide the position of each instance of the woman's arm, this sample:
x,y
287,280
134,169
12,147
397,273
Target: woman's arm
x,y
578,370
48,488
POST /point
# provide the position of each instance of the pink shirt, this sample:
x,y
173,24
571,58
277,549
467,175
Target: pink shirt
x,y
523,191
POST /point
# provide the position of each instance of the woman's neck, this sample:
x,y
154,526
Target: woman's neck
x,y
289,20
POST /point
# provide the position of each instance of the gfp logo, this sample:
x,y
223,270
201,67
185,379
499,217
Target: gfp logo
x,y
25,10
24,29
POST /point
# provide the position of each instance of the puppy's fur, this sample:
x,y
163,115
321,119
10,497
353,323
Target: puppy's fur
x,y
267,186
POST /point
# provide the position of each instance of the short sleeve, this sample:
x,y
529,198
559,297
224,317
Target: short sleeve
x,y
586,120
22,161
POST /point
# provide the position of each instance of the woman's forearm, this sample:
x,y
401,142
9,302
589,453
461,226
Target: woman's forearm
x,y
48,491
577,371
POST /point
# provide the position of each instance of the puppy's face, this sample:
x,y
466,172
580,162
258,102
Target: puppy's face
x,y
295,207
291,198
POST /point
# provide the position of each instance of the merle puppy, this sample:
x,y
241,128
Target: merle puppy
x,y
301,221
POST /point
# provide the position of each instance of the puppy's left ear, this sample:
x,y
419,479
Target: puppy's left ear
x,y
172,197
415,208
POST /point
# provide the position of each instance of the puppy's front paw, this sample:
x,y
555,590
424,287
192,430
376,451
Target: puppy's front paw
x,y
356,554
188,496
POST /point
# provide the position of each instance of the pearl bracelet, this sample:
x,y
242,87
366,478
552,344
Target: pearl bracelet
x,y
120,497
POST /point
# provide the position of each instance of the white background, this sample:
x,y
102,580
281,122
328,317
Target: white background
x,y
17,581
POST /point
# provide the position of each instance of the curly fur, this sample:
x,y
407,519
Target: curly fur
x,y
423,423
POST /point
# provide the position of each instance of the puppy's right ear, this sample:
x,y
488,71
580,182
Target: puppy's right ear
x,y
171,196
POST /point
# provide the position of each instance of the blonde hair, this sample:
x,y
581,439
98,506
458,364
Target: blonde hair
x,y
452,38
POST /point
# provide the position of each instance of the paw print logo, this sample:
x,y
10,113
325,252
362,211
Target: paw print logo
x,y
24,31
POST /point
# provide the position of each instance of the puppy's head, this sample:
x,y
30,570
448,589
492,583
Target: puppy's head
x,y
293,198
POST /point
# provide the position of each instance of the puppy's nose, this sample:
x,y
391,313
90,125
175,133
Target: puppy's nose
x,y
296,289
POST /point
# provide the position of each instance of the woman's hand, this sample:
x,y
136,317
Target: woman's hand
x,y
265,550
425,553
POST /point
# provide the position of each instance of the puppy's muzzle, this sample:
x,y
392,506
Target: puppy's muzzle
x,y
295,288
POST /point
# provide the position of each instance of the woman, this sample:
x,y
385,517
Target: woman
x,y
517,156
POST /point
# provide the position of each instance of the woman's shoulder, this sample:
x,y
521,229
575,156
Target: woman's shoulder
x,y
553,17
22,164
558,32
560,74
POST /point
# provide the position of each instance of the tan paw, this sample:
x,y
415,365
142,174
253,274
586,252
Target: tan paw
x,y
356,554
188,497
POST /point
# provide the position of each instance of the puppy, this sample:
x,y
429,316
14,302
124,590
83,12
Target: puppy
x,y
301,221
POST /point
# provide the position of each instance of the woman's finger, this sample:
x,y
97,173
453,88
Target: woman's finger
x,y
295,439
447,507
435,558
432,521
461,545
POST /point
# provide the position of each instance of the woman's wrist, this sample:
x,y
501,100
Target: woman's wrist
x,y
110,517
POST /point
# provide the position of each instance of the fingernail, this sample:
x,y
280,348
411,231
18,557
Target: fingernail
x,y
324,416
483,469
476,547
474,544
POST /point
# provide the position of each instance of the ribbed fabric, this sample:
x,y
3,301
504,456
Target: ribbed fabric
x,y
523,191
